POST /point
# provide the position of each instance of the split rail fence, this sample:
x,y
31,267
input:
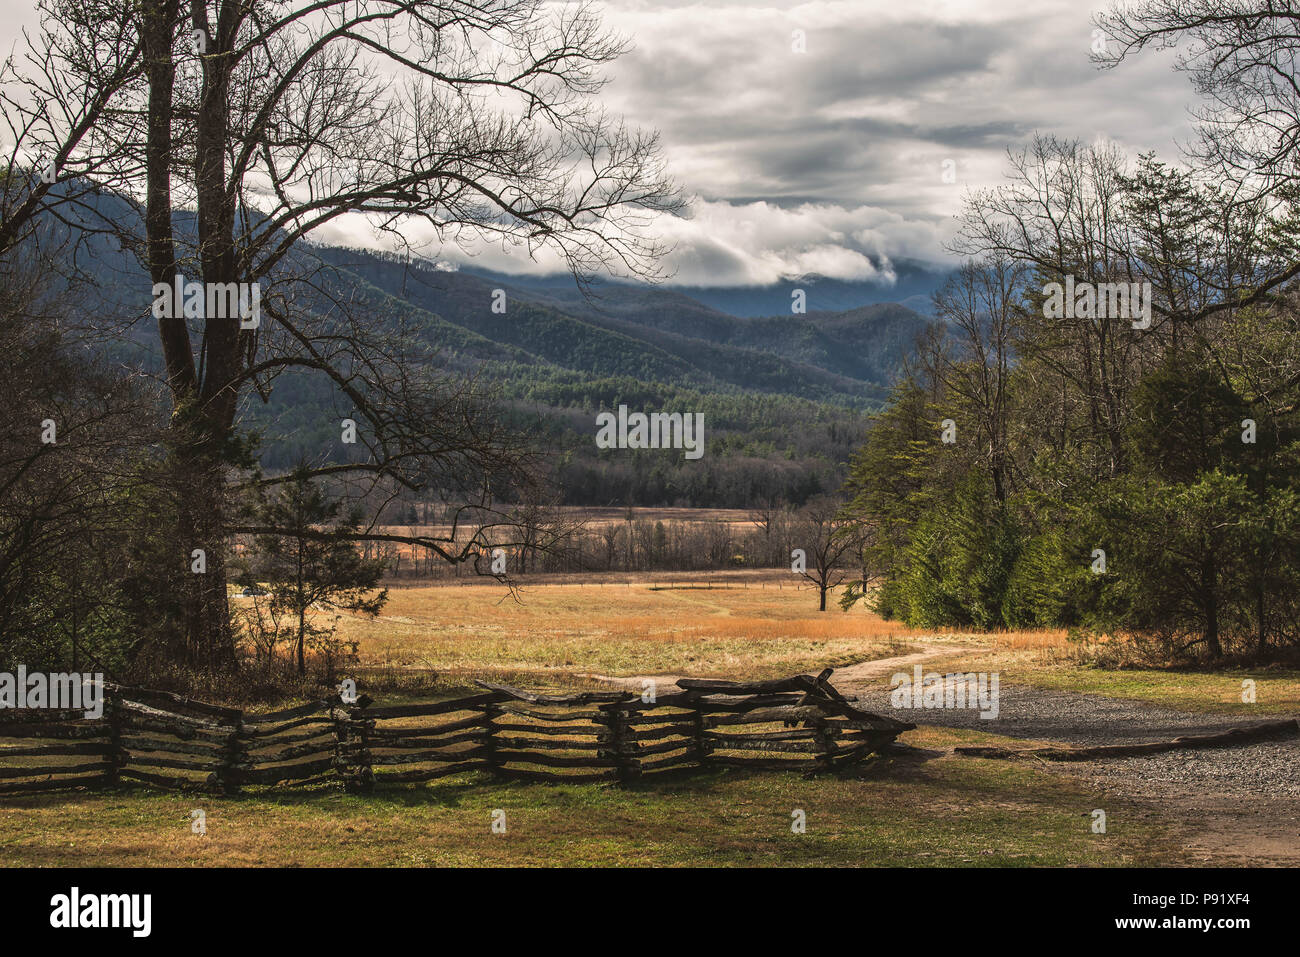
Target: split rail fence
x,y
165,740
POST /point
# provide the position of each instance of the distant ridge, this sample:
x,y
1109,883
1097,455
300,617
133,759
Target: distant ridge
x,y
785,396
913,286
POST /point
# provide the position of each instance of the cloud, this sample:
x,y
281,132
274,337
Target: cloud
x,y
881,97
831,160
760,243
720,243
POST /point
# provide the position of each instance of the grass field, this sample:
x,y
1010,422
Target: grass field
x,y
558,632
756,626
932,808
1048,659
950,811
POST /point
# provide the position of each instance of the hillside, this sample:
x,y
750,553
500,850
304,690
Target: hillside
x,y
784,396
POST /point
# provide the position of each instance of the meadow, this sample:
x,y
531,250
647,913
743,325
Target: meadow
x,y
756,626
949,811
929,806
738,625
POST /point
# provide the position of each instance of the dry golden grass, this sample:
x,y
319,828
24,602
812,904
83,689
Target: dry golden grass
x,y
727,629
736,625
1048,643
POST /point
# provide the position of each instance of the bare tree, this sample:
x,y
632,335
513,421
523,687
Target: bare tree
x,y
1061,214
766,511
1241,57
471,121
55,101
831,543
982,304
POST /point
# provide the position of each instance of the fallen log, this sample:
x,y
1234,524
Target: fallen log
x,y
777,686
581,697
1223,739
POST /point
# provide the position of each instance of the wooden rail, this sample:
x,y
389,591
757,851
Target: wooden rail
x,y
164,740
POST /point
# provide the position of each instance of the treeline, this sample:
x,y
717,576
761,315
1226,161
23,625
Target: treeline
x,y
759,446
663,478
1129,471
632,545
814,544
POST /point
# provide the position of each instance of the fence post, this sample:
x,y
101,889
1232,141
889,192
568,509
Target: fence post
x,y
619,746
115,755
352,746
490,712
234,757
702,749
825,759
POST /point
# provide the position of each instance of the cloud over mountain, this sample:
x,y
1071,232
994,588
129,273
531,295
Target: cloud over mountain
x,y
831,161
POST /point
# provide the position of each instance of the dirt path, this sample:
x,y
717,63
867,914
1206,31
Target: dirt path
x,y
858,676
852,679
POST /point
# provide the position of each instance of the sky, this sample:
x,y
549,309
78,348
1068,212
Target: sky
x,y
832,160
813,137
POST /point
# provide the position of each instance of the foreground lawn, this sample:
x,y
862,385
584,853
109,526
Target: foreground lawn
x,y
936,809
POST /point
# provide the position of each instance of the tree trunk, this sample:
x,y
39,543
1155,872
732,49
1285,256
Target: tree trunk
x,y
209,639
302,603
1209,588
822,588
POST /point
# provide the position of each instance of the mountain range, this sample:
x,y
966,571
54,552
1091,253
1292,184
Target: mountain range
x,y
785,395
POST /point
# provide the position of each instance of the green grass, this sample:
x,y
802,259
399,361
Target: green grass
x,y
946,810
1277,690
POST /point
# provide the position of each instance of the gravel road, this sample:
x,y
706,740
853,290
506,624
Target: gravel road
x,y
1062,716
1269,768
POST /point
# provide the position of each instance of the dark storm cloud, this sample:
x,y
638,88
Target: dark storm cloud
x,y
832,159
860,125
